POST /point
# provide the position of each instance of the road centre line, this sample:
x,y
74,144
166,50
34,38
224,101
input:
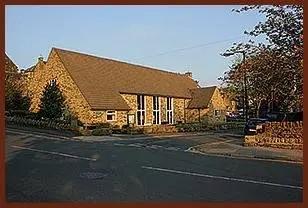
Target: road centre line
x,y
118,144
134,145
54,153
222,177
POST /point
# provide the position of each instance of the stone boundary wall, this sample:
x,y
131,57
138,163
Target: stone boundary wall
x,y
288,135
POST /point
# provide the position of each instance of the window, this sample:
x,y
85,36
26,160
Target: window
x,y
98,114
53,82
140,109
216,112
111,115
156,110
170,110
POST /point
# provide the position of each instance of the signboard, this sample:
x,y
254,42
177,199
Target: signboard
x,y
131,118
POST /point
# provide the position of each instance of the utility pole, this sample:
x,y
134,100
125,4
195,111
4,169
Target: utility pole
x,y
246,104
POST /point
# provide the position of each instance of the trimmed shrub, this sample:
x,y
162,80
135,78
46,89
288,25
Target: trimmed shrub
x,y
116,129
101,131
209,126
132,130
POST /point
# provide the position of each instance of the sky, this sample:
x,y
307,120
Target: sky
x,y
144,35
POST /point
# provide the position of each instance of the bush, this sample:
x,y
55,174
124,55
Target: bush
x,y
104,125
22,113
14,99
116,129
132,130
99,125
101,131
206,126
193,127
125,126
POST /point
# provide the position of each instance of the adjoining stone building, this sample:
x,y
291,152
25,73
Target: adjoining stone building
x,y
9,67
11,73
99,90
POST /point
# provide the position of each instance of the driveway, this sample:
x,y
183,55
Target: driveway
x,y
45,168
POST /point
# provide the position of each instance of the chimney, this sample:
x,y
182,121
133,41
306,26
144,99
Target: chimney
x,y
189,74
40,58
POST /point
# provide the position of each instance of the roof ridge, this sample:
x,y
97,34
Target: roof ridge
x,y
123,62
214,86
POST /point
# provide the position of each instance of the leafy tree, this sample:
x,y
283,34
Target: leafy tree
x,y
14,99
52,101
275,69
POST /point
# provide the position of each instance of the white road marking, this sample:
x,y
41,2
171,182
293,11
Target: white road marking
x,y
134,145
210,143
139,144
118,144
173,148
151,146
222,177
220,142
147,146
54,153
38,134
155,146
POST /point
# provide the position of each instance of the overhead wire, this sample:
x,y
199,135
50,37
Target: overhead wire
x,y
189,48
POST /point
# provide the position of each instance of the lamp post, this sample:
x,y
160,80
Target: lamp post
x,y
245,82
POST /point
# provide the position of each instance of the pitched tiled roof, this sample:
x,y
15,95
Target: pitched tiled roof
x,y
32,68
102,80
201,97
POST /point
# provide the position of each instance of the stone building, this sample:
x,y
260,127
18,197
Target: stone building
x,y
208,104
10,70
99,90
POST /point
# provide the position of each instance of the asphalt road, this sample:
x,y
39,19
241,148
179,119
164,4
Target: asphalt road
x,y
41,168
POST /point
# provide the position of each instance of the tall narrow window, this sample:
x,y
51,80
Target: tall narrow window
x,y
140,109
169,110
156,110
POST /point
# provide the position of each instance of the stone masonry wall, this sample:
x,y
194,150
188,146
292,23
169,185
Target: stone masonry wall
x,y
54,69
149,110
163,108
216,103
178,109
192,115
279,134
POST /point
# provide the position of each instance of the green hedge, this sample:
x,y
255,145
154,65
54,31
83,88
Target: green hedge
x,y
101,131
52,124
208,126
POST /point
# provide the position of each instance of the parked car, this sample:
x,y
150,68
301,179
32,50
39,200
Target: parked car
x,y
280,116
254,125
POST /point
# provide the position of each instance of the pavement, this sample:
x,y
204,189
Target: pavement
x,y
232,146
43,167
227,148
208,143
